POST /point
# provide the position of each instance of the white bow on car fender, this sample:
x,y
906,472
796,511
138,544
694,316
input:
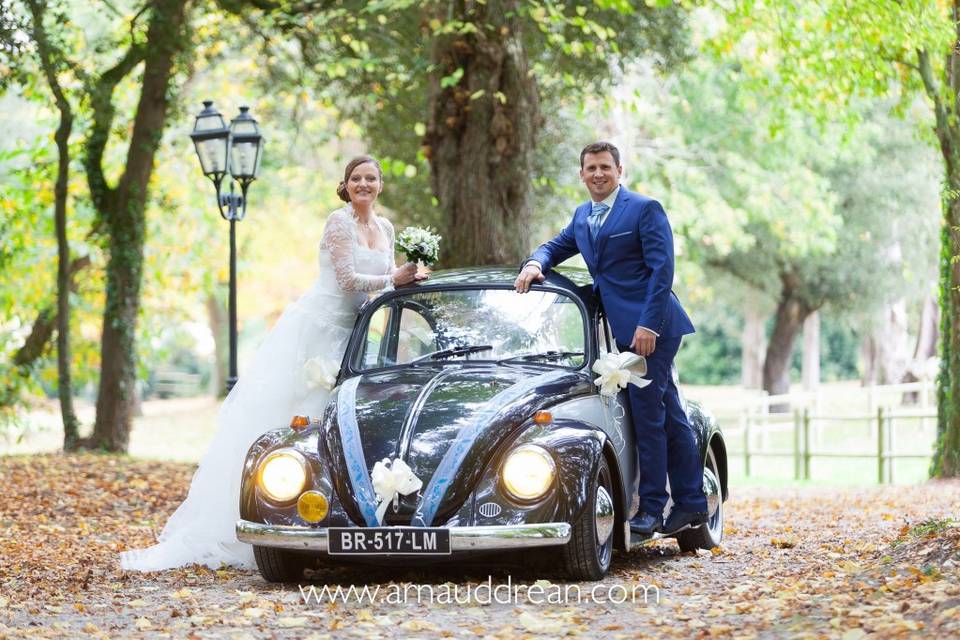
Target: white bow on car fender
x,y
617,370
392,478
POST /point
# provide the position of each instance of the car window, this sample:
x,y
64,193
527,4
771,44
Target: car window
x,y
478,324
417,337
375,347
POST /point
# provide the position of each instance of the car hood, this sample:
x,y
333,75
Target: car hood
x,y
416,413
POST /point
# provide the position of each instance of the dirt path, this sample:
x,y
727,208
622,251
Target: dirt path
x,y
809,562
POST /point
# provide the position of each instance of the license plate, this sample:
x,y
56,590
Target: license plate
x,y
383,540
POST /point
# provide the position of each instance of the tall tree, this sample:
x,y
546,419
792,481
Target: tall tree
x,y
50,62
450,94
123,210
481,131
797,213
824,53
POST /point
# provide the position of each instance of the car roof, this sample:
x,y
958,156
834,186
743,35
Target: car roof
x,y
575,280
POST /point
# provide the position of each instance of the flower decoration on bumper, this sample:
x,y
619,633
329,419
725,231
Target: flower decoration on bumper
x,y
321,372
617,370
392,479
419,245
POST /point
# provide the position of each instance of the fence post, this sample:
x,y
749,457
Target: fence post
x,y
880,437
746,444
806,444
797,462
891,447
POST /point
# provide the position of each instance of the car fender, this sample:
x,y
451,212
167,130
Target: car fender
x,y
577,449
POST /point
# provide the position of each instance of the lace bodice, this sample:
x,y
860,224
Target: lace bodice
x,y
341,244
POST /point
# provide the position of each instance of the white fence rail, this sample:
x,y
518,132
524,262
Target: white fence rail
x,y
883,423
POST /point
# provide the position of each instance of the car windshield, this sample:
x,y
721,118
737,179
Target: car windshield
x,y
476,324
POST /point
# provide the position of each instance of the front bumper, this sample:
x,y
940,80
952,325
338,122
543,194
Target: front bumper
x,y
517,536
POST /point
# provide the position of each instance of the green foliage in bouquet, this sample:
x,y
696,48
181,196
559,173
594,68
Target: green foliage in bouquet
x,y
419,245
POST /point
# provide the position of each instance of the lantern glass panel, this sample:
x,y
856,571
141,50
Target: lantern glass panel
x,y
206,122
243,159
213,155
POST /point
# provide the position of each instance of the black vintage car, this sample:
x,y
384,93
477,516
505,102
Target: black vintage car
x,y
487,397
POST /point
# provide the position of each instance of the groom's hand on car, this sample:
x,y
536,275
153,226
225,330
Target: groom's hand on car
x,y
531,273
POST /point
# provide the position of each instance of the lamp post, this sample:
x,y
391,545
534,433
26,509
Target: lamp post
x,y
236,150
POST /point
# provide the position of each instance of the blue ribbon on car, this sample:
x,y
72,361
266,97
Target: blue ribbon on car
x,y
446,471
353,451
432,496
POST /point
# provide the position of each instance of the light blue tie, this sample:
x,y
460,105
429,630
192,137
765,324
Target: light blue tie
x,y
599,208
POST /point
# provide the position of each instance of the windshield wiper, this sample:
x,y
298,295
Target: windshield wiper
x,y
455,351
544,355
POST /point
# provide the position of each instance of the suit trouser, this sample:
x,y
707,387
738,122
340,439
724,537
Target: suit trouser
x,y
666,442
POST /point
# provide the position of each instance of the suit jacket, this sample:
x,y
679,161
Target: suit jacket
x,y
632,267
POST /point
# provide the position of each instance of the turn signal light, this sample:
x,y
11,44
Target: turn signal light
x,y
543,417
312,506
300,422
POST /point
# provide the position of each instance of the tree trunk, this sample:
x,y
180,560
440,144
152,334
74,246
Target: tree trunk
x,y
49,62
810,371
885,349
925,347
924,350
481,134
125,223
870,358
217,318
946,460
753,345
791,313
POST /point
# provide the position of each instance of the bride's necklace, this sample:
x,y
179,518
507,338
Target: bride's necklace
x,y
368,225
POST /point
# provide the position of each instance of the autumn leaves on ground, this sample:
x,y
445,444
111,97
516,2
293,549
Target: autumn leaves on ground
x,y
807,562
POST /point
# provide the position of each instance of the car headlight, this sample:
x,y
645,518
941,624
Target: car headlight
x,y
283,474
528,472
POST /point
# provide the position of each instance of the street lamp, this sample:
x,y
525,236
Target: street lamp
x,y
236,150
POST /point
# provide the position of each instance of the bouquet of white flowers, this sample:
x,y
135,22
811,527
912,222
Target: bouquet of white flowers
x,y
420,245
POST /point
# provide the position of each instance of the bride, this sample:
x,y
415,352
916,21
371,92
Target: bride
x,y
356,257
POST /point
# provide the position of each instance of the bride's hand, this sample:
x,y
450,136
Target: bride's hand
x,y
405,274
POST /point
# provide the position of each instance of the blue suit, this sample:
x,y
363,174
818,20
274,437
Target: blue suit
x,y
632,267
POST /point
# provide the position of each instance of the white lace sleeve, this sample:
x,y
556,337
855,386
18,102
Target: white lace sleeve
x,y
392,243
339,238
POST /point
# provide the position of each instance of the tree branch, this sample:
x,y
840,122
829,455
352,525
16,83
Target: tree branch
x,y
944,134
45,324
101,102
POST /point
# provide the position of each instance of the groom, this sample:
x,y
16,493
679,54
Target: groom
x,y
626,241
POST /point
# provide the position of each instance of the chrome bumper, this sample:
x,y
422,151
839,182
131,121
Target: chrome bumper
x,y
517,536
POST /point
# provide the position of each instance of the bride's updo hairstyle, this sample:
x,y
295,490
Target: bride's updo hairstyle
x,y
353,164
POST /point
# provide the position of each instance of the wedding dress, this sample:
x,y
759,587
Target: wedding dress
x,y
278,385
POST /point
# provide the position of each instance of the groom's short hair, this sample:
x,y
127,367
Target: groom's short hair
x,y
600,147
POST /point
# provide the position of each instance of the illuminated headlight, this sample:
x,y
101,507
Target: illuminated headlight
x,y
283,474
528,472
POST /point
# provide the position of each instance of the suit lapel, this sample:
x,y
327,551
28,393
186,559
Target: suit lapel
x,y
608,225
582,233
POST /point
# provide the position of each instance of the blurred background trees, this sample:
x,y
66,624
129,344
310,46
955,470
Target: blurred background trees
x,y
807,231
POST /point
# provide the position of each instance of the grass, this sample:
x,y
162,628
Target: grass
x,y
181,429
933,526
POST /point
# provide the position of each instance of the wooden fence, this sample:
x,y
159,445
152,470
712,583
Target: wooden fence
x,y
799,433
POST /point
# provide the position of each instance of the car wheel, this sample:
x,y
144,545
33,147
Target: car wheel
x,y
587,555
279,565
709,535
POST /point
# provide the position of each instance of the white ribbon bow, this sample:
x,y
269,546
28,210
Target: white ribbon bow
x,y
617,370
391,479
321,372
